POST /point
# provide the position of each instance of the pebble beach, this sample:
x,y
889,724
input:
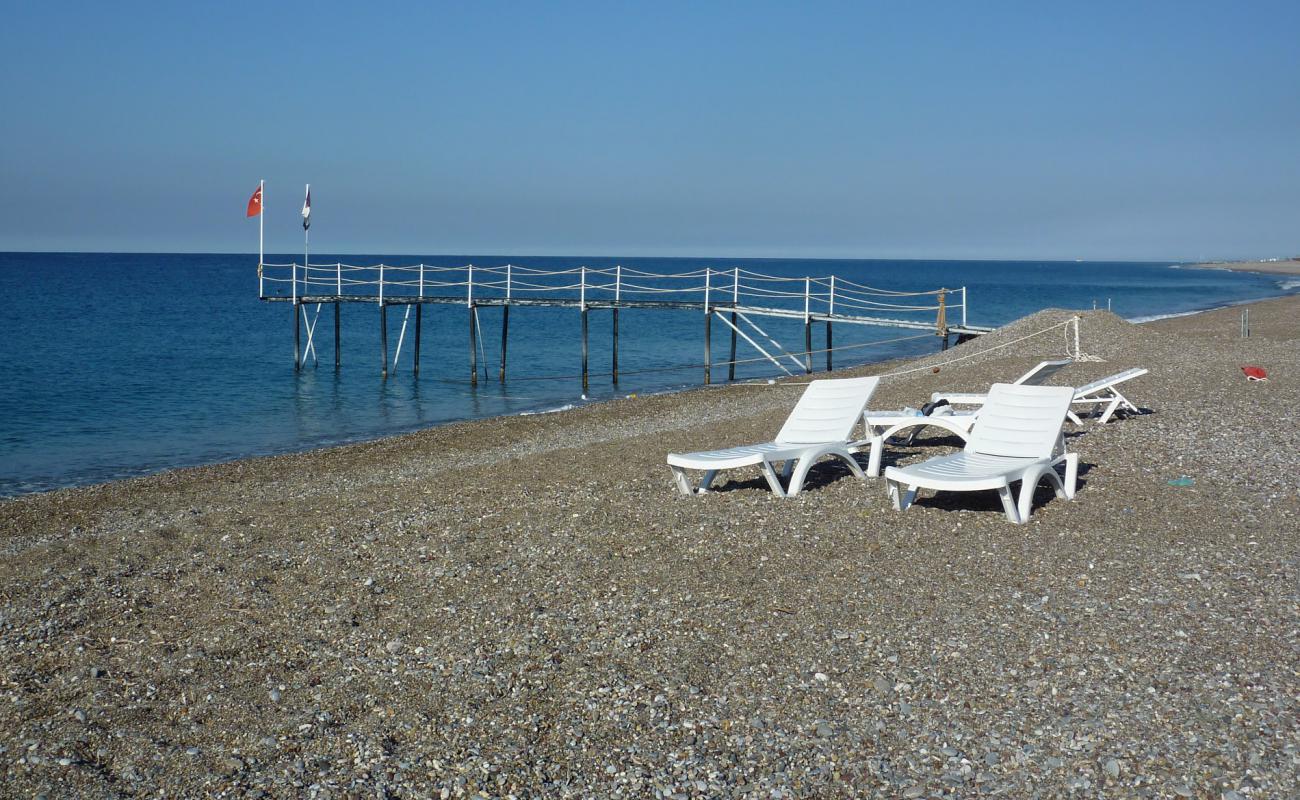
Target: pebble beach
x,y
524,607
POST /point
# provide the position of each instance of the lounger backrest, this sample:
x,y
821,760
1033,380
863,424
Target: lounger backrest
x,y
1102,383
827,411
1021,421
1042,373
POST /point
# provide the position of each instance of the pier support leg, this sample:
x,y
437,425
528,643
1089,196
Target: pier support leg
x,y
505,335
383,336
338,358
419,318
473,347
297,327
829,347
731,359
807,346
614,349
584,348
708,347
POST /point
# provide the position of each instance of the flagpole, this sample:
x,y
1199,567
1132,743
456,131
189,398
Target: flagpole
x,y
261,225
306,237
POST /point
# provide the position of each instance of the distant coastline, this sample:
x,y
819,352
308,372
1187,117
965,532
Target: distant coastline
x,y
1284,266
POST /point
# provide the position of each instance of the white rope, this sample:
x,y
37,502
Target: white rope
x,y
976,354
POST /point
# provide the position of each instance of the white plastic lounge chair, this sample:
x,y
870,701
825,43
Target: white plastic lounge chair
x,y
821,424
1016,438
891,423
1103,392
1039,375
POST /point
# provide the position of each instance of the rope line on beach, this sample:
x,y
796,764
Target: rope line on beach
x,y
1004,345
1069,352
724,363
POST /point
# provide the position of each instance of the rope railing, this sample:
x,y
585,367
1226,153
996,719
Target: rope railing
x,y
710,288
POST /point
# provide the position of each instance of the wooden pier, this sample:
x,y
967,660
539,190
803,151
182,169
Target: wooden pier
x,y
734,297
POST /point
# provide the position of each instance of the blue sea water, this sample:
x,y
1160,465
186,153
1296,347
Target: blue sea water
x,y
115,365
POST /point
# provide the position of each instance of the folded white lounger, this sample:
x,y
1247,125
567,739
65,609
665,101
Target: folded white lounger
x,y
1101,392
1017,437
821,424
1040,374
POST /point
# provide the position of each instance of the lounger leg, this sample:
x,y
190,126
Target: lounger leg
x,y
795,481
787,469
1009,503
806,464
1071,475
772,479
873,460
1111,408
707,480
1073,417
901,499
683,483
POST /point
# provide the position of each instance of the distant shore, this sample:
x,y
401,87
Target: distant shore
x,y
1286,266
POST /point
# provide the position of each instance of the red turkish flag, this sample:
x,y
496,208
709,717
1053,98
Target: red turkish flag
x,y
255,203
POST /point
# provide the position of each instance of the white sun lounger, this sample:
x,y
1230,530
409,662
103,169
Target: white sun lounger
x,y
1016,438
888,424
1103,392
821,424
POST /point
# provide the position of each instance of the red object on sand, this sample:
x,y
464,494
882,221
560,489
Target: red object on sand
x,y
1255,373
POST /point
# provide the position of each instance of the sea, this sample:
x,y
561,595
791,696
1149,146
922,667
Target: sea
x,y
115,365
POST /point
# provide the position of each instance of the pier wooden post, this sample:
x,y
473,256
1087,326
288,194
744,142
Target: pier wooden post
x,y
731,358
505,334
473,347
338,358
383,335
614,346
829,346
584,348
419,318
941,323
708,346
297,350
807,345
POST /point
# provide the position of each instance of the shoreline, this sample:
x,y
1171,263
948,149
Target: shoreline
x,y
1285,266
146,472
523,605
863,368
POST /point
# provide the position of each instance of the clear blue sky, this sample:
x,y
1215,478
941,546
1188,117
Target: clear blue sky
x,y
962,129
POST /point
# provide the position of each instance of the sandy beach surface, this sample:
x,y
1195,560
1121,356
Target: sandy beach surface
x,y
523,607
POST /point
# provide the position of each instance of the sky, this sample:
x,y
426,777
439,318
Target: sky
x,y
989,130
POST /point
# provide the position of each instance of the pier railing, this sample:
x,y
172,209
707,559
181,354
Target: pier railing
x,y
707,288
735,297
